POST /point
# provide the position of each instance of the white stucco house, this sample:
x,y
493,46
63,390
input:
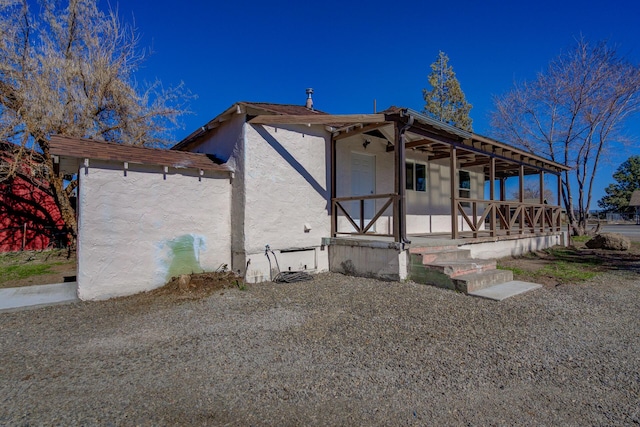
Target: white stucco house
x,y
354,193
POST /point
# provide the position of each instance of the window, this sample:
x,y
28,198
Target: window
x,y
409,176
416,176
464,187
421,177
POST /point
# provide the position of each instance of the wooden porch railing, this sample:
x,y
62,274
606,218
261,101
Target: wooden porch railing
x,y
361,224
481,216
509,216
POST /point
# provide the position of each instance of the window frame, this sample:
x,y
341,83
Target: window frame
x,y
462,189
411,169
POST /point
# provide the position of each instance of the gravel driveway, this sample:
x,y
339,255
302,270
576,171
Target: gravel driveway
x,y
335,351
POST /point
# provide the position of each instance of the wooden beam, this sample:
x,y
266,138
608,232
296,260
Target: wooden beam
x,y
418,143
316,119
434,136
358,131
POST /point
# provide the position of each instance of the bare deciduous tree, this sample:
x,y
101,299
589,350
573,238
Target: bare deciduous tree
x,y
533,192
572,113
68,69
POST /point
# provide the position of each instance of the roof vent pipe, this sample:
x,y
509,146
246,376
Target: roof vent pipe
x,y
309,103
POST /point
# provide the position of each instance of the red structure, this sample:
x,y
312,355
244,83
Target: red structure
x,y
29,216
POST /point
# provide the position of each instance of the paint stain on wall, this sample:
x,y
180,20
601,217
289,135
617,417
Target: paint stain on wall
x,y
184,255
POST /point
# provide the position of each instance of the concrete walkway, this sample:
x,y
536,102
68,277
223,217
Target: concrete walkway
x,y
13,299
505,290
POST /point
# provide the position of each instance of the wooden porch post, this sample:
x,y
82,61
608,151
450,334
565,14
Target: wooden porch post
x,y
454,192
506,210
521,176
397,183
332,206
559,222
402,188
492,196
544,209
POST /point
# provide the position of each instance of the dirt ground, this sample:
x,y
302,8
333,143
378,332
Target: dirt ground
x,y
336,350
532,267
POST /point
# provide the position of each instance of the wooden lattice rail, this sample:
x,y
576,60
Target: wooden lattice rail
x,y
337,205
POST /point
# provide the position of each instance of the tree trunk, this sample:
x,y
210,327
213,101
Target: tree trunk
x,y
56,184
66,210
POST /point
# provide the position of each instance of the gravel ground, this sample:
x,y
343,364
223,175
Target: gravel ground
x,y
335,351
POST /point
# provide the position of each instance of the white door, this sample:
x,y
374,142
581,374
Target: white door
x,y
363,183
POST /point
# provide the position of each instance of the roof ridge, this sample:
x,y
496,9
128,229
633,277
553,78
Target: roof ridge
x,y
276,104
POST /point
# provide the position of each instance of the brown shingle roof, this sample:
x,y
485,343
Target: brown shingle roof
x,y
635,198
288,109
87,148
251,108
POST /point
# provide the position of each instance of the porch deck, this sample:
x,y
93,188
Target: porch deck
x,y
435,239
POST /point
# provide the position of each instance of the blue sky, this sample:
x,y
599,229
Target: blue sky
x,y
352,52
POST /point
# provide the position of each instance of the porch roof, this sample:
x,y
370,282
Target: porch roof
x,y
426,135
99,150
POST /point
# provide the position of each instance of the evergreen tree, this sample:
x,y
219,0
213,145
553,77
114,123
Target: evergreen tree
x,y
446,101
618,195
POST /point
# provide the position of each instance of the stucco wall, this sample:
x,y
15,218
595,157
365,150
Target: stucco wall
x,y
286,195
227,143
137,231
427,212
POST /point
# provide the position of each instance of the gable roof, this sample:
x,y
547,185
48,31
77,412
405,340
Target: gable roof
x,y
635,198
88,148
250,109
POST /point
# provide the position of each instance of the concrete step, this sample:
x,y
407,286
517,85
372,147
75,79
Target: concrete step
x,y
430,249
462,267
453,268
481,280
505,290
445,255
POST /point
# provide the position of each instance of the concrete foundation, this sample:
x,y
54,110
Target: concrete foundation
x,y
368,258
504,246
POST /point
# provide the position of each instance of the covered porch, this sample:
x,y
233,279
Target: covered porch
x,y
400,174
438,182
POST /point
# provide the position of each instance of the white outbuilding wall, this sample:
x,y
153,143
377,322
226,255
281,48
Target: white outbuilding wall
x,y
138,229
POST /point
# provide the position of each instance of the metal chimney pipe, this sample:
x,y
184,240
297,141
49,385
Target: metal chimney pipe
x,y
309,103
